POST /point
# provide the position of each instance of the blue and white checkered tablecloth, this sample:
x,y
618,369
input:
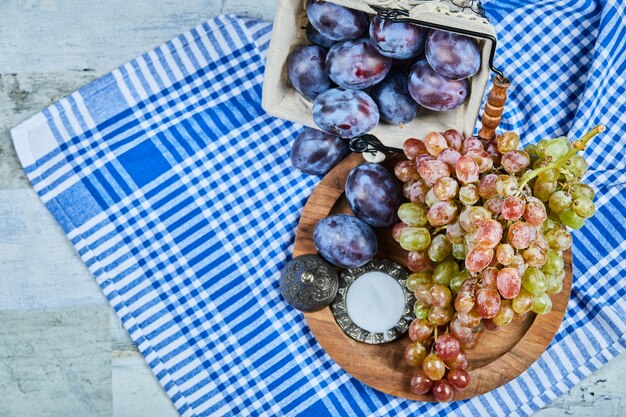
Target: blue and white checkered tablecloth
x,y
176,189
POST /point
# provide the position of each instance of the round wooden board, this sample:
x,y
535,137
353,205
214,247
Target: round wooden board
x,y
498,357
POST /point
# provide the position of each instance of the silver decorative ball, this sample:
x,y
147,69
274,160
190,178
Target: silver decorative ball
x,y
309,283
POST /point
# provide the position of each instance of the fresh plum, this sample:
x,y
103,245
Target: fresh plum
x,y
315,152
317,38
399,40
433,91
336,22
452,55
306,68
345,241
394,102
373,194
345,113
356,64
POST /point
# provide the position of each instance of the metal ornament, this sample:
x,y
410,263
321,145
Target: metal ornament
x,y
341,314
308,283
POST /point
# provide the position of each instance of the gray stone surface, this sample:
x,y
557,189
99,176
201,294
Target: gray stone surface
x,y
63,352
55,362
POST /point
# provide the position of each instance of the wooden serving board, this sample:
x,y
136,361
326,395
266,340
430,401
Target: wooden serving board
x,y
499,355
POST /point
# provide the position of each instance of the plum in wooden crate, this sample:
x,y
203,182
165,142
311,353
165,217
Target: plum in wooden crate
x,y
416,89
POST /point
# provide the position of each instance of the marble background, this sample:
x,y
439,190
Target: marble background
x,y
63,351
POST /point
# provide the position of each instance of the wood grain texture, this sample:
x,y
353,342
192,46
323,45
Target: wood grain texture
x,y
499,356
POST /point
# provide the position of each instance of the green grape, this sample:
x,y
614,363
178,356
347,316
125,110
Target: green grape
x,y
523,302
421,310
560,201
583,207
541,146
556,148
458,280
418,278
532,150
549,175
559,239
413,214
506,185
554,262
550,224
415,238
534,256
459,251
445,271
468,194
542,304
440,315
578,190
439,248
571,219
577,166
431,198
544,189
505,314
555,282
534,281
508,141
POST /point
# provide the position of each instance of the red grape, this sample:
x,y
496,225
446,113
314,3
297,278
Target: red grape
x,y
482,158
397,229
405,171
447,347
478,259
487,186
520,235
418,261
466,170
440,295
515,161
432,170
489,277
449,156
487,302
489,234
443,391
535,212
512,208
416,191
460,362
454,138
420,330
442,213
459,379
509,282
471,143
413,147
420,383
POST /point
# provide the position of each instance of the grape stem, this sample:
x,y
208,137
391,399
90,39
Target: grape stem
x,y
577,145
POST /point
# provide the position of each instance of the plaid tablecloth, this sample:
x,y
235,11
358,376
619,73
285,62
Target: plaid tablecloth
x,y
177,191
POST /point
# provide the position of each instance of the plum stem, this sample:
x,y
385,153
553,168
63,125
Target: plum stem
x,y
577,145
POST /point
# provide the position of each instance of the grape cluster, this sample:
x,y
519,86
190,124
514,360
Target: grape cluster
x,y
405,66
485,240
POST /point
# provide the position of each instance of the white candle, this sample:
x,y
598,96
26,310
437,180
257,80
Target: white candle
x,y
375,302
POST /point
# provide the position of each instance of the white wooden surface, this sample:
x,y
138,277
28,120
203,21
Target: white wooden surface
x,y
62,350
